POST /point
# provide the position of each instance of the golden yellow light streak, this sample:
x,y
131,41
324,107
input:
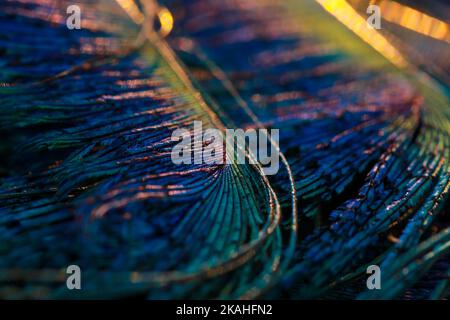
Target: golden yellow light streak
x,y
132,10
348,16
166,20
164,15
414,20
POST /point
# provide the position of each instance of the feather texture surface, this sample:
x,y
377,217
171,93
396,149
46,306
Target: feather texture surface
x,y
87,178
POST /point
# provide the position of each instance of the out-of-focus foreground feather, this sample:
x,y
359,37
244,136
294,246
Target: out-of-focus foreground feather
x,y
86,118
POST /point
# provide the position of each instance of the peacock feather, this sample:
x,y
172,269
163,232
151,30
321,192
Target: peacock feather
x,y
86,176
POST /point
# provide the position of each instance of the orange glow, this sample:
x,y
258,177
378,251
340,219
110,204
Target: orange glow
x,y
345,13
414,20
